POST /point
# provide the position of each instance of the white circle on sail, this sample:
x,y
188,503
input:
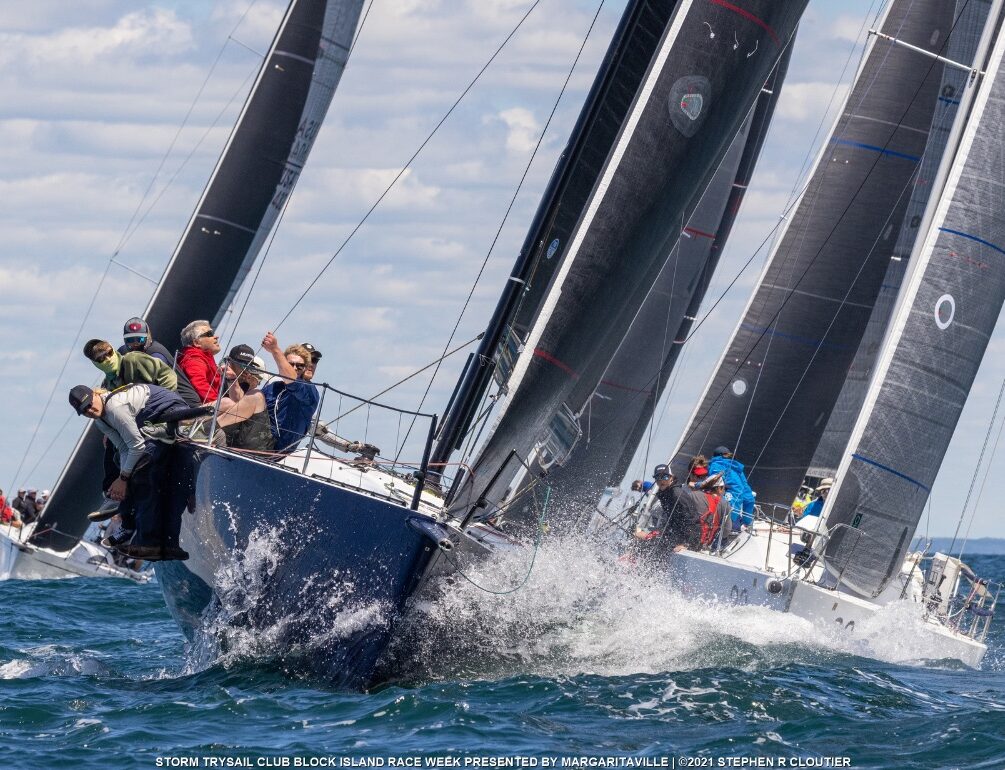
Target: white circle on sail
x,y
739,387
942,318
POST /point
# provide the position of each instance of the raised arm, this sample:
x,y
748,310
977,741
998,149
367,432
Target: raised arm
x,y
271,344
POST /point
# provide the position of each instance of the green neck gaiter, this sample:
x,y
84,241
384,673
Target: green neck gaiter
x,y
111,364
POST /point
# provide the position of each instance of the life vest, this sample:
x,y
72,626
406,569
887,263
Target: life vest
x,y
710,520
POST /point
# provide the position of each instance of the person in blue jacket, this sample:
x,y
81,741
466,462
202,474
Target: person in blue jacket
x,y
817,506
740,494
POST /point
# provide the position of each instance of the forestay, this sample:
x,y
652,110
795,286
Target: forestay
x,y
712,60
939,333
254,177
770,396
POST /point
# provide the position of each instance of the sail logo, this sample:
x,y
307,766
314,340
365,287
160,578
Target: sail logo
x,y
688,101
945,311
552,248
690,105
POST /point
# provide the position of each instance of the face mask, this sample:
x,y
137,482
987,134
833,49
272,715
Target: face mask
x,y
110,365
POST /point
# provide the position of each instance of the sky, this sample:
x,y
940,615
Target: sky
x,y
113,113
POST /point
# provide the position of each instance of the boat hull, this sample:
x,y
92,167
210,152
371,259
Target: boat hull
x,y
706,576
319,571
19,560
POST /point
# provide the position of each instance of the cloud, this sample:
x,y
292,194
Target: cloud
x,y
144,33
522,129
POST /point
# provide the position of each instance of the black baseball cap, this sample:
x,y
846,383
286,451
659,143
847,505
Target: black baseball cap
x,y
721,450
662,471
242,355
315,353
81,397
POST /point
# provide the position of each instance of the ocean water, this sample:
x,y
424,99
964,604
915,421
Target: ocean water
x,y
589,658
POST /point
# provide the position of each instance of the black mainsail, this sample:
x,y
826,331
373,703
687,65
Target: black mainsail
x,y
776,384
948,309
253,178
623,404
712,60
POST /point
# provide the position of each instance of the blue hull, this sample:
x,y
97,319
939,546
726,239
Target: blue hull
x,y
320,571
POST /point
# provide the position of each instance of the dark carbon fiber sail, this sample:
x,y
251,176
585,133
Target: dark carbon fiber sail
x,y
938,335
774,388
625,64
972,15
252,180
616,416
713,59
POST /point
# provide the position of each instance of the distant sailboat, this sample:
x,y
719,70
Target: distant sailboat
x,y
785,365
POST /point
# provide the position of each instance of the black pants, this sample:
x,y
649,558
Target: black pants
x,y
145,507
111,465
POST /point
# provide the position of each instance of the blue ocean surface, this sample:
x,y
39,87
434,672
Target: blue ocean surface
x,y
588,659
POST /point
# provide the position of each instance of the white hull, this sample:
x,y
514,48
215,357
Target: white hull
x,y
740,578
22,561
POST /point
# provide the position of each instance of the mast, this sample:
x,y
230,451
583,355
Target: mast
x,y
769,398
711,62
252,180
939,333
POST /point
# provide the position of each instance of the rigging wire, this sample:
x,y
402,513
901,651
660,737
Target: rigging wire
x,y
356,228
130,229
282,214
980,493
509,208
977,469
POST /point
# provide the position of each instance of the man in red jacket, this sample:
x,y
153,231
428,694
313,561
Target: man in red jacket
x,y
196,359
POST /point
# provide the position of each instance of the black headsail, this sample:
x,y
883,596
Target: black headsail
x,y
949,306
252,180
711,62
778,380
616,417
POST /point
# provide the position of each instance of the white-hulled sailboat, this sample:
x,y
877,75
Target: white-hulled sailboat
x,y
778,381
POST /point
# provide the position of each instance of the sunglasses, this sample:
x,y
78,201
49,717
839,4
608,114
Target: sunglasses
x,y
136,341
102,357
208,333
663,477
298,367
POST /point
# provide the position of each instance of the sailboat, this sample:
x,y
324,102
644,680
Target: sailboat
x,y
777,384
360,534
252,181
